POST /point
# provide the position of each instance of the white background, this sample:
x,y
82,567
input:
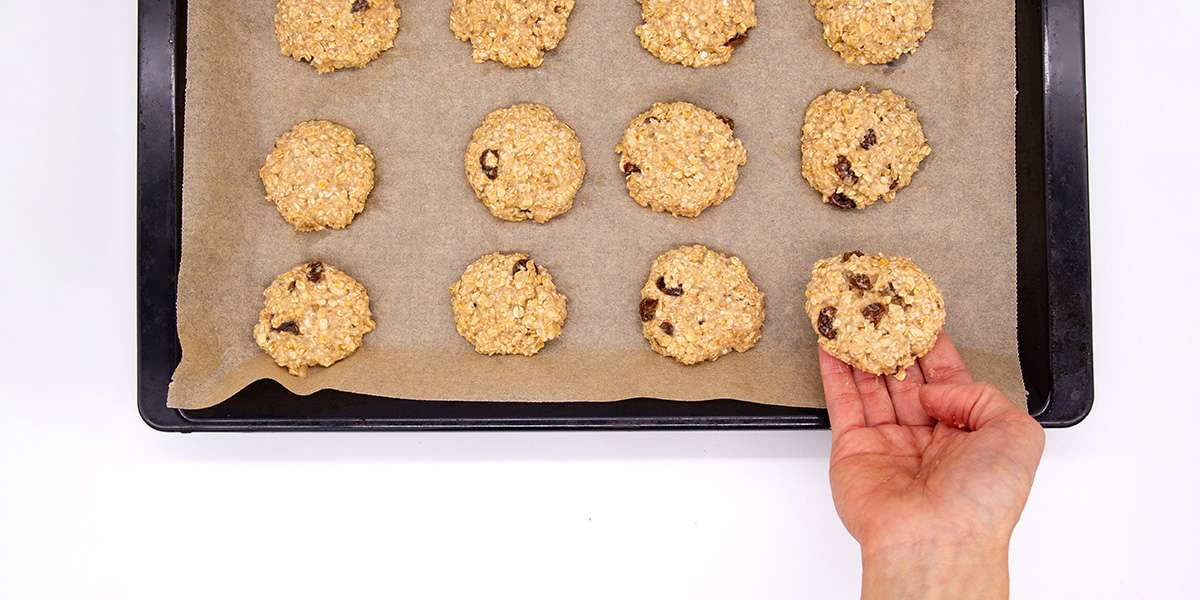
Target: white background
x,y
94,504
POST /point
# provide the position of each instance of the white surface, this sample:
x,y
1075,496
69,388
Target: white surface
x,y
93,504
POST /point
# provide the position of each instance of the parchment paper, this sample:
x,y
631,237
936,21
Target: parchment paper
x,y
416,107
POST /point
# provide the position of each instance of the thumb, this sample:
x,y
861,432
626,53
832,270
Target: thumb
x,y
965,405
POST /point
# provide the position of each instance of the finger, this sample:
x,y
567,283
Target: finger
x,y
971,406
980,406
841,395
943,364
877,404
906,398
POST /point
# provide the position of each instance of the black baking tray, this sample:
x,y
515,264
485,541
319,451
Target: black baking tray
x,y
1053,267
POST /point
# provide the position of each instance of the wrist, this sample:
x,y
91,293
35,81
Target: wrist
x,y
930,571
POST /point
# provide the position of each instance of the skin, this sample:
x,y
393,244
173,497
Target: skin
x,y
930,475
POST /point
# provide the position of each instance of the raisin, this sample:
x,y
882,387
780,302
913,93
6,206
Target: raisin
x,y
897,299
844,170
869,140
726,120
489,161
292,286
737,40
667,327
841,200
359,6
647,309
662,287
287,327
859,281
848,255
874,313
825,322
630,169
520,265
316,269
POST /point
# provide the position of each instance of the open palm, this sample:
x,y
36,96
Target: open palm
x,y
934,459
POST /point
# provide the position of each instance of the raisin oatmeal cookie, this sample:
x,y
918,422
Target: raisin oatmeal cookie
x,y
680,158
507,304
873,32
514,33
524,163
698,305
695,33
312,315
859,147
879,314
336,34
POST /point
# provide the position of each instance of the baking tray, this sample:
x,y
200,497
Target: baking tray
x,y
1054,322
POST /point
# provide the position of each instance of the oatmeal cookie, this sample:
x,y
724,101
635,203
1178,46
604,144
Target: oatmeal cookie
x,y
514,33
879,314
699,305
695,33
507,304
524,163
680,158
318,176
859,147
312,315
873,32
336,34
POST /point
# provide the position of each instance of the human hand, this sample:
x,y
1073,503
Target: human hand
x,y
929,474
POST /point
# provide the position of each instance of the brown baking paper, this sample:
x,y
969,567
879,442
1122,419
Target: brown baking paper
x,y
416,107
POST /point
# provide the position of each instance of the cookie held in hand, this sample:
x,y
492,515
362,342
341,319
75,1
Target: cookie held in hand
x,y
879,314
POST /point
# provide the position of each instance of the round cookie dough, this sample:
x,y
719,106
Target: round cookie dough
x,y
523,163
507,304
699,304
336,34
313,315
873,32
860,147
318,176
879,314
515,33
680,158
695,33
